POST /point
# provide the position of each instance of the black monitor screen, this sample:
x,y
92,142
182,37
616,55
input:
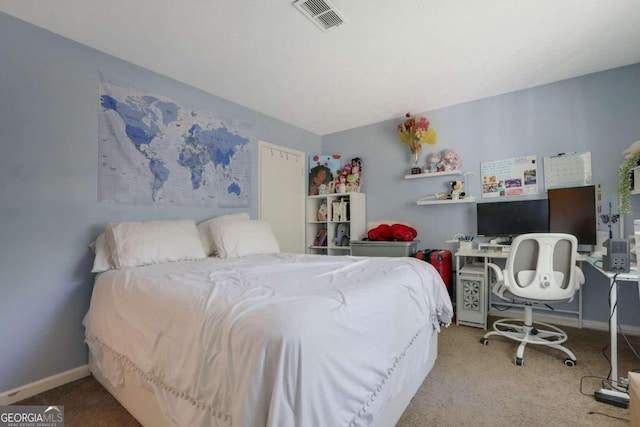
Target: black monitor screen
x,y
513,218
573,211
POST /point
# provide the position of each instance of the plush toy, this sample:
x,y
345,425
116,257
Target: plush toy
x,y
353,182
403,233
456,190
321,238
342,174
450,161
432,162
355,176
399,232
342,235
381,232
352,179
322,211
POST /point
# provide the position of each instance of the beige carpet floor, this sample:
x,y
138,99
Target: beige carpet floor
x,y
476,385
470,385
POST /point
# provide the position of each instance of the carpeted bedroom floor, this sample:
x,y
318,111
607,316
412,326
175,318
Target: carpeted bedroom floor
x,y
470,385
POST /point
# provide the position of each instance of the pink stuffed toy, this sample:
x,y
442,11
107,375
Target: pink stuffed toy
x,y
450,161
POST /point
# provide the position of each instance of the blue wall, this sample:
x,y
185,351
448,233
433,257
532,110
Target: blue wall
x,y
48,169
599,113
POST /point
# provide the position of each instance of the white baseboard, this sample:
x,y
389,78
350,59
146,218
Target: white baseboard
x,y
37,387
604,326
566,321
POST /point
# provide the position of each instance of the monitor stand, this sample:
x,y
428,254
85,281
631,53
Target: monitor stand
x,y
585,249
501,241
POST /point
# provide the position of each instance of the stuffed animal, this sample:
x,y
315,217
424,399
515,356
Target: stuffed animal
x,y
342,235
403,233
432,162
353,181
456,190
322,211
356,174
342,174
450,161
321,238
399,232
381,232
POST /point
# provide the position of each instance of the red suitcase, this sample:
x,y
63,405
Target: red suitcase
x,y
442,261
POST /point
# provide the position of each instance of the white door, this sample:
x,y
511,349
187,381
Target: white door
x,y
282,194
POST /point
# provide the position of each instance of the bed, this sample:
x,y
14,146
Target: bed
x,y
266,339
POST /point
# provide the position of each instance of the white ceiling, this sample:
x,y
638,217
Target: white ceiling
x,y
390,58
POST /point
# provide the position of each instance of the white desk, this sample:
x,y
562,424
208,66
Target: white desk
x,y
490,253
613,322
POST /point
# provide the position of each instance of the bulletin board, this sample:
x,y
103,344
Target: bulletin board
x,y
516,176
567,170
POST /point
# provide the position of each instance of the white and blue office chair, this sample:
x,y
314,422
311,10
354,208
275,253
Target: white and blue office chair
x,y
541,269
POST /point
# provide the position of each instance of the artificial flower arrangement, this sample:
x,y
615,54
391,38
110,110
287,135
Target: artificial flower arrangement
x,y
415,131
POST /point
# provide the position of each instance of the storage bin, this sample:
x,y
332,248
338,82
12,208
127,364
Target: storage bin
x,y
378,248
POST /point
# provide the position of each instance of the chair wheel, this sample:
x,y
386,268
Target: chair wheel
x,y
534,331
484,341
519,361
570,362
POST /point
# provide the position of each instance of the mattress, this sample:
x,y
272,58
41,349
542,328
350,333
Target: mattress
x,y
274,340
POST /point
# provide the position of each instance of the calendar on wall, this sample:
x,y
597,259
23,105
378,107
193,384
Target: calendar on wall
x,y
567,170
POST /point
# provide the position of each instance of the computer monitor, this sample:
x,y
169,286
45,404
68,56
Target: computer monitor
x,y
509,219
572,210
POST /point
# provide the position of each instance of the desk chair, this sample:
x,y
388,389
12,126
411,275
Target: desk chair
x,y
541,269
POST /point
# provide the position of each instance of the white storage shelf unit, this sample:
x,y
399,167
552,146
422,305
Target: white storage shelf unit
x,y
355,220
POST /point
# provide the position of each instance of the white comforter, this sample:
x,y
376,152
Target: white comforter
x,y
278,340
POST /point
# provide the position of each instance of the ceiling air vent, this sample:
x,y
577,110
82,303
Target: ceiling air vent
x,y
320,12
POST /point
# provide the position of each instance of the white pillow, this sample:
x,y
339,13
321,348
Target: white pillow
x,y
240,238
102,261
205,233
135,243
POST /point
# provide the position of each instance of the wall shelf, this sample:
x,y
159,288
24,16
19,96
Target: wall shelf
x,y
469,199
432,175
